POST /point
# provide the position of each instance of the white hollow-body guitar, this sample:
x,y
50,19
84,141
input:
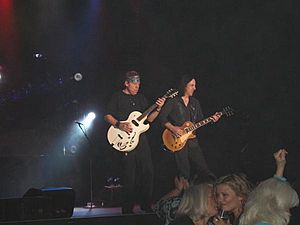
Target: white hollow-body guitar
x,y
126,142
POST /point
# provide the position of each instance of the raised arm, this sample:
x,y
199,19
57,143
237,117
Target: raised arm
x,y
280,158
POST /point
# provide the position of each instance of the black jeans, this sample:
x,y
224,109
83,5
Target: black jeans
x,y
191,160
137,175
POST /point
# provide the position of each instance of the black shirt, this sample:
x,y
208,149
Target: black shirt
x,y
177,113
121,105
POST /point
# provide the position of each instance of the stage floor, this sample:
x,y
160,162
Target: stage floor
x,y
83,212
97,216
80,212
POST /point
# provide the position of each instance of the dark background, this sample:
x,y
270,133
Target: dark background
x,y
243,53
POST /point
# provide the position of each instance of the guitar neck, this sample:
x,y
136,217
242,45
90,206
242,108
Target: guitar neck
x,y
170,94
147,112
199,124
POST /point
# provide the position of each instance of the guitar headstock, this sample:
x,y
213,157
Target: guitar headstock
x,y
228,111
171,93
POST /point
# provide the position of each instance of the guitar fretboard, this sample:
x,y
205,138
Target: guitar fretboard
x,y
170,94
146,113
198,125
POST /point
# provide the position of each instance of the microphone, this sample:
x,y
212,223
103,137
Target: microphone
x,y
79,123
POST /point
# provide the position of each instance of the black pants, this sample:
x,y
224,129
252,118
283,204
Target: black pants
x,y
190,161
138,175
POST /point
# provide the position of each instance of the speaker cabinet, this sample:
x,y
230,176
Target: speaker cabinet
x,y
56,202
46,203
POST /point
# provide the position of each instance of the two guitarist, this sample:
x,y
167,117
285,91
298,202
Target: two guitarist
x,y
137,164
175,113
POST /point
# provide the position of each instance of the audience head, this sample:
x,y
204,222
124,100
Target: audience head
x,y
198,202
270,202
232,192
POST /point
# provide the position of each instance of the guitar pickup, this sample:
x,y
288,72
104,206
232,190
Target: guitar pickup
x,y
135,123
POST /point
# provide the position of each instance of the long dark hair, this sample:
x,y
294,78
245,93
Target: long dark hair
x,y
185,79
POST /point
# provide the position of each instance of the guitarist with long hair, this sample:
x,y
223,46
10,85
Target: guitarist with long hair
x,y
137,164
175,113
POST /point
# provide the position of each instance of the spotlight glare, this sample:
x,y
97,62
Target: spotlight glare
x,y
88,120
37,55
1,73
91,116
78,76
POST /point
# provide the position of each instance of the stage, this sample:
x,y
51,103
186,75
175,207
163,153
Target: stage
x,y
107,216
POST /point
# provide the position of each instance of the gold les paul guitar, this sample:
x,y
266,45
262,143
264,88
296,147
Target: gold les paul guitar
x,y
175,144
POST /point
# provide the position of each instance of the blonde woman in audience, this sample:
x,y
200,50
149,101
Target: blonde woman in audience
x,y
197,206
231,195
167,206
272,199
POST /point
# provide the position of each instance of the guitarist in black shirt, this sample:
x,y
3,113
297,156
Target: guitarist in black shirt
x,y
174,114
137,164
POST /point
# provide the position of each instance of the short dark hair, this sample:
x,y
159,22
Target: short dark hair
x,y
185,79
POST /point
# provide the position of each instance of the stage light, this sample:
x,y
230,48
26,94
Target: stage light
x,y
1,74
89,119
37,55
91,116
77,76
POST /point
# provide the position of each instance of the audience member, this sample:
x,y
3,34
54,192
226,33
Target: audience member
x,y
197,206
231,194
271,201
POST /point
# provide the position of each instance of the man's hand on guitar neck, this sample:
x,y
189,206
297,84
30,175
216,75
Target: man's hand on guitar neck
x,y
159,102
216,117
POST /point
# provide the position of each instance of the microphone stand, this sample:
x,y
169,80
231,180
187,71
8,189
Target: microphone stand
x,y
90,204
